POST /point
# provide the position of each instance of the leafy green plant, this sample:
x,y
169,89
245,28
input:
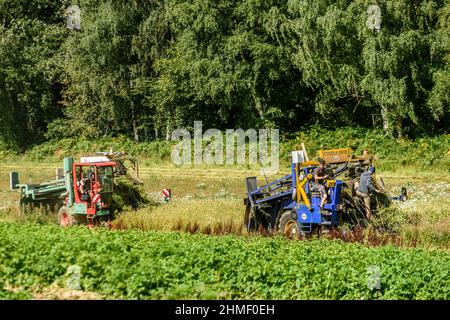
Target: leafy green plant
x,y
157,265
129,196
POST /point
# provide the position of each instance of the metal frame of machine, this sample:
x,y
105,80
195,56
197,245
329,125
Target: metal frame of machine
x,y
290,205
94,208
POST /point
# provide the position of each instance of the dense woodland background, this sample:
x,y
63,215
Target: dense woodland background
x,y
143,68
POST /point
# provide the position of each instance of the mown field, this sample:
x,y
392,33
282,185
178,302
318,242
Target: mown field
x,y
162,252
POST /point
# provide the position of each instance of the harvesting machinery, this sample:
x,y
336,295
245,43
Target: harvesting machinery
x,y
82,192
125,165
292,206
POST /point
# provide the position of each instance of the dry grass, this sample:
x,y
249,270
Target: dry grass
x,y
55,292
209,216
426,216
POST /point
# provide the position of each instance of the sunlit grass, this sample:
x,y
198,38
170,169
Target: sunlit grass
x,y
213,216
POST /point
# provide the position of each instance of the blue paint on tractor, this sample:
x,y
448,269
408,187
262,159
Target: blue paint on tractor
x,y
266,205
277,197
328,216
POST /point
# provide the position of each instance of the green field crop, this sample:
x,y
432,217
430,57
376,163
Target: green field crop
x,y
166,265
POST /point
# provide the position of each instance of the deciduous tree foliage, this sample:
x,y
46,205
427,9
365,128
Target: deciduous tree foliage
x,y
29,85
144,67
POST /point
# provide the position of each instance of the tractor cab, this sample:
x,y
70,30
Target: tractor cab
x,y
93,183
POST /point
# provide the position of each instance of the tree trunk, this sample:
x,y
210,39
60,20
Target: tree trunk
x,y
168,133
135,126
258,106
399,130
384,116
135,131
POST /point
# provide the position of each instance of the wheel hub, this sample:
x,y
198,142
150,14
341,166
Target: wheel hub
x,y
64,219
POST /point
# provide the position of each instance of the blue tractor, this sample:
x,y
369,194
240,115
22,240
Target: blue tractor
x,y
291,205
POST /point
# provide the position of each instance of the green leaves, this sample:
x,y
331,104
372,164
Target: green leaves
x,y
155,265
29,70
143,68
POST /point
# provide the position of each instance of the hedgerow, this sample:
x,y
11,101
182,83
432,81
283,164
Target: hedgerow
x,y
391,154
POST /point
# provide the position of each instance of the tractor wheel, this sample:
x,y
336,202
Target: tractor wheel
x,y
249,219
65,219
104,221
289,226
277,221
247,214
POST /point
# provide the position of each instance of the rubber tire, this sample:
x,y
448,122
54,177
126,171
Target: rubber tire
x,y
65,219
246,214
104,221
286,219
249,220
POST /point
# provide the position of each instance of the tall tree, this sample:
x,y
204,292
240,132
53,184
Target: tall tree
x,y
29,86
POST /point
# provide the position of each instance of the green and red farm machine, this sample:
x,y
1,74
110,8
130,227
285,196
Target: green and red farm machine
x,y
82,192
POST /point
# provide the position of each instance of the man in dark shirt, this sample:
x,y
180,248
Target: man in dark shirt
x,y
365,188
319,176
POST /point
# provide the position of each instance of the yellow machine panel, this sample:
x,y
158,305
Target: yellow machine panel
x,y
336,155
331,183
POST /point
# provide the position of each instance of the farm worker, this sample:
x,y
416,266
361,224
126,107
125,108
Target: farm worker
x,y
365,188
82,186
90,177
97,187
85,186
319,176
83,190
